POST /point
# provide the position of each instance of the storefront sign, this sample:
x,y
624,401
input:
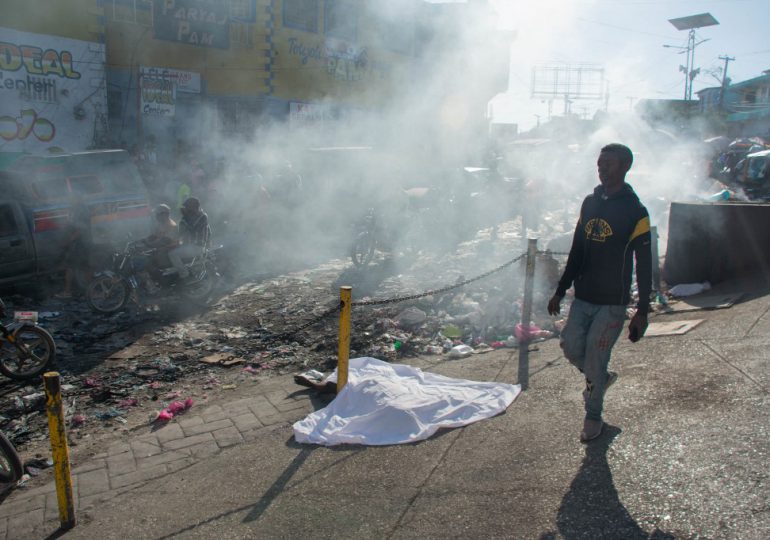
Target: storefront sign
x,y
158,93
304,114
52,90
196,22
185,81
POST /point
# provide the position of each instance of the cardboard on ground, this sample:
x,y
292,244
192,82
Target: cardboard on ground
x,y
671,328
704,301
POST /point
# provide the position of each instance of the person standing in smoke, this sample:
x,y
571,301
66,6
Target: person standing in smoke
x,y
194,235
78,246
613,225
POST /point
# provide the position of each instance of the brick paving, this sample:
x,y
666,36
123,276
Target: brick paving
x,y
128,464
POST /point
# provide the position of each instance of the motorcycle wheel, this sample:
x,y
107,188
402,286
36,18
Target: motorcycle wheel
x,y
39,353
107,294
362,252
203,286
11,467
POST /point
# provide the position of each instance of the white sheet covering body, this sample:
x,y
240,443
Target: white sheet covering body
x,y
386,403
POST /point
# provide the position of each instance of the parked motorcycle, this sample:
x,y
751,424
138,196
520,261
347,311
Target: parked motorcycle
x,y
11,468
110,290
422,220
26,349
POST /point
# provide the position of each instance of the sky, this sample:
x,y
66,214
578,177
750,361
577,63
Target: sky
x,y
626,38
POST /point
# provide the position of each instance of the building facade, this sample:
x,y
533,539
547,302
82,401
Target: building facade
x,y
80,74
52,76
745,106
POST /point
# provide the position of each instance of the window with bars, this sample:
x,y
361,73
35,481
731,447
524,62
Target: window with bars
x,y
341,19
243,10
132,11
242,35
300,14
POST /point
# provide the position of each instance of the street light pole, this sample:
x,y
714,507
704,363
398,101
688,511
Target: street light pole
x,y
691,23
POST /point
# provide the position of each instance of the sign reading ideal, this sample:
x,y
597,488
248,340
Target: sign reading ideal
x,y
43,79
196,22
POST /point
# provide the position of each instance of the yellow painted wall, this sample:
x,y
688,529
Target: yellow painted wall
x,y
239,70
311,67
74,19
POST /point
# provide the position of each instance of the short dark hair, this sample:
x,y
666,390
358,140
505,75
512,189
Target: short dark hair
x,y
623,152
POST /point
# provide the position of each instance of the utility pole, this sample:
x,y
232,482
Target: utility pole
x,y
727,60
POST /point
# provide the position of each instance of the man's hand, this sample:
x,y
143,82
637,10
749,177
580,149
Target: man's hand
x,y
637,327
554,307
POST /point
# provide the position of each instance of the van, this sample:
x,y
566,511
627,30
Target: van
x,y
36,194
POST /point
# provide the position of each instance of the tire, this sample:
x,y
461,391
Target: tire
x,y
107,294
11,468
41,353
362,252
201,289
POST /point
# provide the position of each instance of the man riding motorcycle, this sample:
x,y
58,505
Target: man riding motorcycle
x,y
164,238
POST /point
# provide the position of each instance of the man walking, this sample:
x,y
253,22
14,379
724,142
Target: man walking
x,y
613,225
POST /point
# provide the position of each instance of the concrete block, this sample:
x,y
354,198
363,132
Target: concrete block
x,y
188,441
208,427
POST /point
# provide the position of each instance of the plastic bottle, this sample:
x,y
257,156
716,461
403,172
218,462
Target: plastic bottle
x,y
723,195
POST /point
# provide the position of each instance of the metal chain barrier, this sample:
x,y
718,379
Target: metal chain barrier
x,y
549,252
397,299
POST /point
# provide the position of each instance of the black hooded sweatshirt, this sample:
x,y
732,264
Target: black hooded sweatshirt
x,y
609,230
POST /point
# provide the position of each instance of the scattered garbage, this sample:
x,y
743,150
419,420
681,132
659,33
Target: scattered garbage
x,y
410,317
460,351
689,289
115,366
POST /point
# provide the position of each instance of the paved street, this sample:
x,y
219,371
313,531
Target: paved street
x,y
684,455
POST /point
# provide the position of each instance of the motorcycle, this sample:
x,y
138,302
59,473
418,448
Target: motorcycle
x,y
422,220
110,290
26,349
11,467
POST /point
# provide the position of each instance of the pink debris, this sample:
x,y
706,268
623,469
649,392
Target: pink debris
x,y
91,382
251,369
126,403
525,334
77,420
178,407
173,395
164,416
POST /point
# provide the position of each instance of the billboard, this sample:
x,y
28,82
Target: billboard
x,y
205,23
52,92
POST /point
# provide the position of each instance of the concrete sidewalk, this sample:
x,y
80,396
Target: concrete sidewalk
x,y
685,454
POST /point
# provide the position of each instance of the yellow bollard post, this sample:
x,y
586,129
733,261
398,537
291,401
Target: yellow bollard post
x,y
343,351
59,449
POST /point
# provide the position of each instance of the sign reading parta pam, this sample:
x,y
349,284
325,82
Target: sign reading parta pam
x,y
205,23
43,79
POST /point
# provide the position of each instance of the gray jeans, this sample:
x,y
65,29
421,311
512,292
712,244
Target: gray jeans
x,y
185,251
587,342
